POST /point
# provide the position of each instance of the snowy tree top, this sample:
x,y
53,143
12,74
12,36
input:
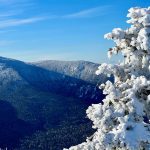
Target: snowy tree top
x,y
120,120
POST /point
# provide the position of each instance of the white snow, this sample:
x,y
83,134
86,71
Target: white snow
x,y
120,119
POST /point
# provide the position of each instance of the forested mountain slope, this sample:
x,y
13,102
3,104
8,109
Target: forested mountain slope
x,y
46,100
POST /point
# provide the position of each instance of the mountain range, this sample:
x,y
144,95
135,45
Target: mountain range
x,y
43,104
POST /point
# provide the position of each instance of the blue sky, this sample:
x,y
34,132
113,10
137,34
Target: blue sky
x,y
33,30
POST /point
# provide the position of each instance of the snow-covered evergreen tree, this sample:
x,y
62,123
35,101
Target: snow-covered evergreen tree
x,y
120,119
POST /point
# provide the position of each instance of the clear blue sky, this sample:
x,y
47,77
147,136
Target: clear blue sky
x,y
32,30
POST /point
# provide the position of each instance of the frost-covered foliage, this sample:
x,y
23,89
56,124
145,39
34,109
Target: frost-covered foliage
x,y
120,120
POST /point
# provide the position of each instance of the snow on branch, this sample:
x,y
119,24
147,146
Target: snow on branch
x,y
119,121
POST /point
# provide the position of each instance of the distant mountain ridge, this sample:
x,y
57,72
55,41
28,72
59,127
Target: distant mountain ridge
x,y
76,78
83,70
46,96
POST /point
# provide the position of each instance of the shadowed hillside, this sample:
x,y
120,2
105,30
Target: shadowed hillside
x,y
48,102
